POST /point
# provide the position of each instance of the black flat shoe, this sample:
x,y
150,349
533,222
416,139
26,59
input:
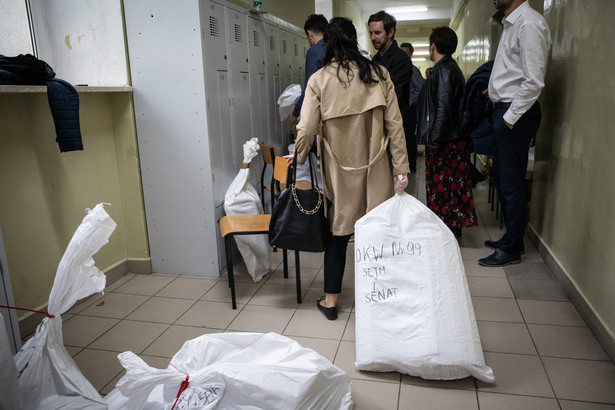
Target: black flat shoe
x,y
499,258
330,313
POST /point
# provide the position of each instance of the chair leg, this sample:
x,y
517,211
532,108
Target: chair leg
x,y
298,274
285,262
229,267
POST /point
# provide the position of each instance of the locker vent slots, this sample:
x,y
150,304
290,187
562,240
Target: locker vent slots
x,y
238,34
214,28
257,39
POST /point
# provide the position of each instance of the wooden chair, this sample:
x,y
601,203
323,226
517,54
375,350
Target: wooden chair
x,y
232,225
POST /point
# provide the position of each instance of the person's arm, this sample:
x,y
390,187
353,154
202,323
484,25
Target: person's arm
x,y
394,129
416,85
401,74
534,42
309,123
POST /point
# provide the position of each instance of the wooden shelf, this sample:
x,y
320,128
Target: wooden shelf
x,y
79,88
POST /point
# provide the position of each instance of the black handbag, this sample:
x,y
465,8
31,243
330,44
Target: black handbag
x,y
298,220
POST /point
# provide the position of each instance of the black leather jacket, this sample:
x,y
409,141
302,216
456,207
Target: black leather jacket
x,y
438,105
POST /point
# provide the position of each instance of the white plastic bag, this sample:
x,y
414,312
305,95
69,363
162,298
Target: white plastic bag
x,y
234,371
48,376
413,308
242,199
287,100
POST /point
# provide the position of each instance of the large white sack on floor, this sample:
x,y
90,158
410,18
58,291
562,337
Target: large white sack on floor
x,y
241,198
9,384
414,314
234,371
48,376
287,99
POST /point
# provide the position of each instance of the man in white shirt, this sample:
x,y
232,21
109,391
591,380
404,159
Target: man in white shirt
x,y
514,87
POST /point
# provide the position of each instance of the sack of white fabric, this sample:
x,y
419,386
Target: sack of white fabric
x,y
242,199
287,100
234,371
48,376
414,314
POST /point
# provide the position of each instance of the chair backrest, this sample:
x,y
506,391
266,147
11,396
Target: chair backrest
x,y
268,152
280,170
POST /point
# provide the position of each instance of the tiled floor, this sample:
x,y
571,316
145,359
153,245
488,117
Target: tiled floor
x,y
542,354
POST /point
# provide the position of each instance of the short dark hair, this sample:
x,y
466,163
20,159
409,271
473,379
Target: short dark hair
x,y
408,46
388,21
316,23
445,40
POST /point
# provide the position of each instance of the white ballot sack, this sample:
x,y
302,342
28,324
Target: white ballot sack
x,y
243,371
241,198
414,314
48,377
287,99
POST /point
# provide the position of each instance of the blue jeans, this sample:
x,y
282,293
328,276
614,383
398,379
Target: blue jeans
x,y
509,168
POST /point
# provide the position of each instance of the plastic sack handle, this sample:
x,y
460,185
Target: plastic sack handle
x,y
383,147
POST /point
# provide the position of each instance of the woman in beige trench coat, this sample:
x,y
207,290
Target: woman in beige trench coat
x,y
351,103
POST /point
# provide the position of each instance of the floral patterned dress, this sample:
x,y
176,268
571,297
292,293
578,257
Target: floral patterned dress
x,y
449,187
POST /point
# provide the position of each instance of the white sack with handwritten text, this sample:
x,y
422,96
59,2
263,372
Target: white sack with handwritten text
x,y
413,309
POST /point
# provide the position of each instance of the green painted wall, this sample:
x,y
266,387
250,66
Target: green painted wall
x,y
45,192
573,187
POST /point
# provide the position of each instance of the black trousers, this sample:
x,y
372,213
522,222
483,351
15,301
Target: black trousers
x,y
335,262
509,168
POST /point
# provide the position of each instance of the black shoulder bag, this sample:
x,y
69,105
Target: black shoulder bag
x,y
298,220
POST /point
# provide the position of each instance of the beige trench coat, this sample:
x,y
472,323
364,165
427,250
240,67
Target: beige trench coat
x,y
354,120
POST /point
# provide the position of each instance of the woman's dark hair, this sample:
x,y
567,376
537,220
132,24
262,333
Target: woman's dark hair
x,y
445,40
341,45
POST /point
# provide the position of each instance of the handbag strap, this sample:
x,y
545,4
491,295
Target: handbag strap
x,y
383,147
293,187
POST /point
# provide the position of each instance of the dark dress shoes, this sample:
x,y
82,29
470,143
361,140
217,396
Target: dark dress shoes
x,y
499,258
329,312
496,245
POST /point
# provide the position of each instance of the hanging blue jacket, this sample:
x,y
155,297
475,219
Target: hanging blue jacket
x,y
63,98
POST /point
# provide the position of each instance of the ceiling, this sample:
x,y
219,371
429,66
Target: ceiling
x,y
417,32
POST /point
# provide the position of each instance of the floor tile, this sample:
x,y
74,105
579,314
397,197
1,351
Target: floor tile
x,y
345,360
496,309
112,286
214,315
80,331
221,292
187,288
420,397
582,405
496,401
84,303
327,348
161,310
115,305
155,361
566,341
505,338
537,289
307,276
550,313
312,323
72,351
370,395
517,374
472,268
467,383
263,319
490,287
111,385
172,340
306,260
582,380
277,295
145,284
99,367
129,335
528,270
350,331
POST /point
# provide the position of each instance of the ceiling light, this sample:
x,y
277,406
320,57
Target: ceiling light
x,y
404,10
420,53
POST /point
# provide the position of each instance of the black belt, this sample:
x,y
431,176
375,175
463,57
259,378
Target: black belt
x,y
504,105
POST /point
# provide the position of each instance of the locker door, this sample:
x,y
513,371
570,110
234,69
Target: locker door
x,y
272,67
224,169
240,86
286,76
